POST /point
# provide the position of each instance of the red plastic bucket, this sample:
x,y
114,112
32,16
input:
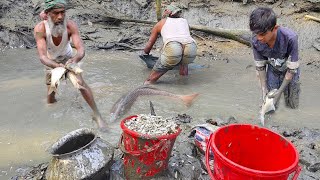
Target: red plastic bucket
x,y
244,151
145,155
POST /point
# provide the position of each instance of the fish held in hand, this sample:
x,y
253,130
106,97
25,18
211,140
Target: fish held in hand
x,y
124,104
56,75
267,106
74,67
73,78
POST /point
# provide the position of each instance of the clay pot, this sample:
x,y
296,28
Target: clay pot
x,y
80,155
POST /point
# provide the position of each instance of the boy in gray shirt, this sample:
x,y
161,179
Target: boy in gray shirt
x,y
275,51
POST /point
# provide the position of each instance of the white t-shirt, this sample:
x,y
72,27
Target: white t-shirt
x,y
176,29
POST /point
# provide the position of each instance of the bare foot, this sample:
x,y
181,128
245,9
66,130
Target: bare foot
x,y
102,126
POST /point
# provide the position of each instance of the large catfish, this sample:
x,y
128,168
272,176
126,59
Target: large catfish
x,y
126,101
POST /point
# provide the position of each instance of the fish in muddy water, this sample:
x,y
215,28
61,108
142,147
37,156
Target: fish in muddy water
x,y
267,106
126,101
56,75
74,67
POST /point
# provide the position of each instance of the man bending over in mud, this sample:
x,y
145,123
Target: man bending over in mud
x,y
179,47
54,49
275,51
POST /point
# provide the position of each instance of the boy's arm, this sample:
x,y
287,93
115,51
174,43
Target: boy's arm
x,y
260,63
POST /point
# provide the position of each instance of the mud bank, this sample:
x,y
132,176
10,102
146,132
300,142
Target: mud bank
x,y
17,18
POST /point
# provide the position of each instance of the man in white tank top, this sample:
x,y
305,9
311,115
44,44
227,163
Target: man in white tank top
x,y
54,49
179,47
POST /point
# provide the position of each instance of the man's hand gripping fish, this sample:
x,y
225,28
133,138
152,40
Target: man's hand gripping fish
x,y
71,70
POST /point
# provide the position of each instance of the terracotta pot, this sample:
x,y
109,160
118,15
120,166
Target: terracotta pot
x,y
80,155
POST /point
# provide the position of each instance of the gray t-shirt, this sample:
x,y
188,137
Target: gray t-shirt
x,y
285,48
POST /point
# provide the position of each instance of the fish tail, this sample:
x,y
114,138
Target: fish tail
x,y
188,99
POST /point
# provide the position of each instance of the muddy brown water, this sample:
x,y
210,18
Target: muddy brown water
x,y
29,126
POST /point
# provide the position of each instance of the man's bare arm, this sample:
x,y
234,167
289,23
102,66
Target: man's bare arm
x,y
40,37
78,44
154,35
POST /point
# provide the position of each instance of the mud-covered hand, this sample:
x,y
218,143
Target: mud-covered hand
x,y
278,93
262,76
143,53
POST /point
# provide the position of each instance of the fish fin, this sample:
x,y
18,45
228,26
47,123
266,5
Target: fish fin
x,y
188,99
147,87
152,112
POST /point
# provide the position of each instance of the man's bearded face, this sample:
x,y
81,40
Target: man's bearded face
x,y
57,24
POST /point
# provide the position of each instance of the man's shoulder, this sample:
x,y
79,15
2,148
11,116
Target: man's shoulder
x,y
40,26
72,25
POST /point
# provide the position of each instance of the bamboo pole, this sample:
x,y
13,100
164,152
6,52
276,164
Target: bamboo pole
x,y
312,18
242,36
158,9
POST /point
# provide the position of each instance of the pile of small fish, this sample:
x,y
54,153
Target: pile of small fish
x,y
152,125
